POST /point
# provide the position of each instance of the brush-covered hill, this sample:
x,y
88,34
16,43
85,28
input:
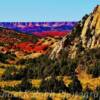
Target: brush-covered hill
x,y
21,45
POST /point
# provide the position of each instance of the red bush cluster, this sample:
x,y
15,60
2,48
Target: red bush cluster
x,y
30,47
51,33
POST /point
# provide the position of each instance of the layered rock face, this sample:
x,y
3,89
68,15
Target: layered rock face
x,y
90,34
85,35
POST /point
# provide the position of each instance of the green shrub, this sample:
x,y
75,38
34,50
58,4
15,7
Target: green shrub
x,y
25,85
52,85
75,86
49,98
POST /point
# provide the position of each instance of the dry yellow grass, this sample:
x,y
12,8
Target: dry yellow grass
x,y
1,71
5,65
33,55
35,83
10,65
67,80
84,79
87,80
43,96
9,83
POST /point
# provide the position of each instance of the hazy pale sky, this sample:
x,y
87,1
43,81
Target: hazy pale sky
x,y
45,10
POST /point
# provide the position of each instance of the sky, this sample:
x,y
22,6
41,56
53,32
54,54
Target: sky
x,y
45,10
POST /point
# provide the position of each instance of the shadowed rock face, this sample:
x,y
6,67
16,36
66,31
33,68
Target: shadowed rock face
x,y
85,35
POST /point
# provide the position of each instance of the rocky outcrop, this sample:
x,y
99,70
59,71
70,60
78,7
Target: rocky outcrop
x,y
91,31
85,35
